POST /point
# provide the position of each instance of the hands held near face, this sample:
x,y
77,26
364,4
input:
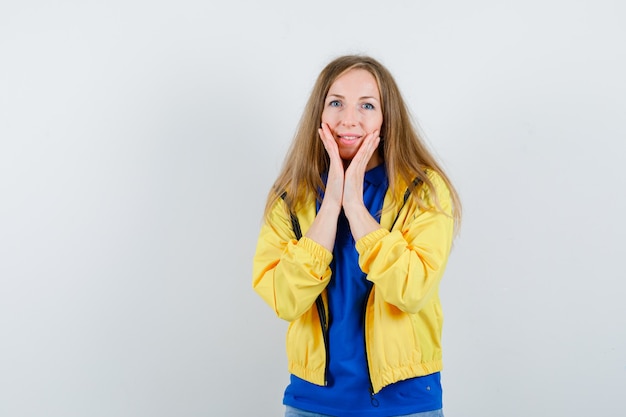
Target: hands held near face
x,y
344,187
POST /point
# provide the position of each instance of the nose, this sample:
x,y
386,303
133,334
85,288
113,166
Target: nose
x,y
350,116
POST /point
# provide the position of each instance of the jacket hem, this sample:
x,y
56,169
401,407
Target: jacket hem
x,y
390,375
314,376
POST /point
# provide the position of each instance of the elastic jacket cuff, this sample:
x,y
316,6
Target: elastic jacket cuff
x,y
370,239
316,250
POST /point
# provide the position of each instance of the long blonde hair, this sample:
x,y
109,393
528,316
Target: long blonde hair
x,y
404,152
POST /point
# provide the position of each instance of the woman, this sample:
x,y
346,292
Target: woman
x,y
357,232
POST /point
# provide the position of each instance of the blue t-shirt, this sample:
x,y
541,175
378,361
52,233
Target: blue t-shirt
x,y
347,393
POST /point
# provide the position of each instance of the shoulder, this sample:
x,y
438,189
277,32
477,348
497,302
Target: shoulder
x,y
435,191
301,215
426,183
437,180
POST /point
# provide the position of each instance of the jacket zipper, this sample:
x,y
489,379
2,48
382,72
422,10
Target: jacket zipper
x,y
321,311
373,399
319,302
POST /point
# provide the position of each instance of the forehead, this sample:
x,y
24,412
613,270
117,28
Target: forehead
x,y
355,81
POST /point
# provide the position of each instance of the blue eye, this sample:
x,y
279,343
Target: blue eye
x,y
368,106
334,103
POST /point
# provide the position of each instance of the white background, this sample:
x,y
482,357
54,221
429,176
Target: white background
x,y
138,140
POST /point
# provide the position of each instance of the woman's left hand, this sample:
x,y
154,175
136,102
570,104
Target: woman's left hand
x,y
361,222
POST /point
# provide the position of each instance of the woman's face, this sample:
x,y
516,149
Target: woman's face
x,y
352,109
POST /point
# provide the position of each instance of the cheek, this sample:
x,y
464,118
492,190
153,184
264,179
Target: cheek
x,y
376,123
327,117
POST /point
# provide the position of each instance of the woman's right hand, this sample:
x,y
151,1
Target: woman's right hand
x,y
335,182
323,230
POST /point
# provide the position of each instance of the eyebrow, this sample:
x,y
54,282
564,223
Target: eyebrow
x,y
360,98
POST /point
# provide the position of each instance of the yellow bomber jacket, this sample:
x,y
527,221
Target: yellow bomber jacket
x,y
403,318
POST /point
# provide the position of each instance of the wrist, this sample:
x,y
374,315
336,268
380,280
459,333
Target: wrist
x,y
330,208
356,212
361,223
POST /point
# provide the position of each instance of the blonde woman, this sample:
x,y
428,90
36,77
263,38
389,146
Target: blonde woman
x,y
356,236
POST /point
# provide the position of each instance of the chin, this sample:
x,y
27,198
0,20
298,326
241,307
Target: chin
x,y
347,157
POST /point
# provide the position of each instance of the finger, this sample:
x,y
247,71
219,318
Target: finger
x,y
327,137
328,140
367,149
326,129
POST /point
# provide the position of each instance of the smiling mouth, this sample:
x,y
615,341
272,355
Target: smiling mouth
x,y
348,138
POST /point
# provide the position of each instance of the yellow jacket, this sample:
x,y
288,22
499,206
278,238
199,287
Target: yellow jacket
x,y
403,319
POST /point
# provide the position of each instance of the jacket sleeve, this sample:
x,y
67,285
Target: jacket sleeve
x,y
287,273
406,265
